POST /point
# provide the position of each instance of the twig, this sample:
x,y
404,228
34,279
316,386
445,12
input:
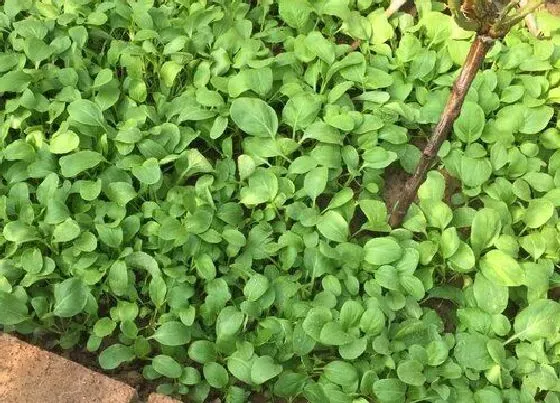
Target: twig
x,y
479,48
394,6
530,19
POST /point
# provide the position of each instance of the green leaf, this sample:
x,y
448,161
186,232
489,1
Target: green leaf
x,y
205,266
257,80
289,384
254,117
148,173
450,242
468,127
172,334
471,352
262,188
333,226
314,321
383,31
538,212
389,390
372,321
86,113
490,297
412,286
263,369
378,157
315,181
76,163
216,375
295,13
322,47
167,366
475,171
332,334
202,351
121,192
115,355
301,111
66,231
535,119
438,214
157,290
350,314
502,269
410,372
239,363
36,50
229,322
112,237
340,372
70,297
63,143
19,232
12,309
433,187
383,250
538,320
104,327
14,81
169,71
256,287
486,227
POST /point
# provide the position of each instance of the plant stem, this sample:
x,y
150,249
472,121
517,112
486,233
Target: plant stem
x,y
479,48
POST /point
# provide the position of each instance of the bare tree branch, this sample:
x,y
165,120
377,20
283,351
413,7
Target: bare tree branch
x,y
479,48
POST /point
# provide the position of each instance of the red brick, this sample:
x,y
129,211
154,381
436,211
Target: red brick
x,y
157,398
31,375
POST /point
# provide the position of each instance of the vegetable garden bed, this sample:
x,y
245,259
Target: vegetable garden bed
x,y
200,191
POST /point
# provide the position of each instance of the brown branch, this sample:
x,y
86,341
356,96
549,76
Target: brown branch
x,y
530,19
394,6
479,48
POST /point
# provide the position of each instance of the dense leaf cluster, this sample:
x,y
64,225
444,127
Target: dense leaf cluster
x,y
197,186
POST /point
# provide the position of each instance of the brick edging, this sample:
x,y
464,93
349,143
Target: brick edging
x,y
31,375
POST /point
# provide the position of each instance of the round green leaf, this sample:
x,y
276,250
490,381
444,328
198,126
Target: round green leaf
x,y
202,351
216,375
254,117
263,369
333,226
538,213
148,173
12,309
342,373
167,366
115,355
502,269
70,297
76,163
63,143
172,334
383,250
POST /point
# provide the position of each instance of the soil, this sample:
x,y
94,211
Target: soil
x,y
395,180
22,378
452,186
553,7
446,311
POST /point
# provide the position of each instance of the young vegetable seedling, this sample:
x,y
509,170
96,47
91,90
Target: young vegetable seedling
x,y
491,20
